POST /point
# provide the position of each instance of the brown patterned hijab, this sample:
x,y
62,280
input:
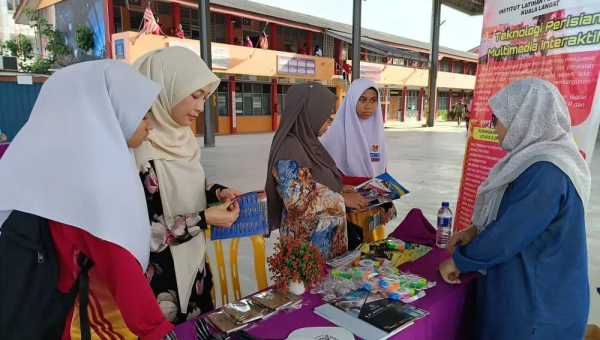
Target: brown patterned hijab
x,y
307,108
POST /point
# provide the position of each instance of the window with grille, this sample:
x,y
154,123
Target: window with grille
x,y
219,19
164,8
445,65
288,32
376,58
383,96
117,19
458,67
223,99
281,92
220,34
189,22
398,61
471,69
346,51
135,19
252,99
318,40
328,47
443,101
412,100
13,5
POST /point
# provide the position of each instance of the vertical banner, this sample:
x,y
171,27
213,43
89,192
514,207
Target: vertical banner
x,y
555,40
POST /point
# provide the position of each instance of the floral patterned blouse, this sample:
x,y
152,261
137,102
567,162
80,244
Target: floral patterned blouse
x,y
176,230
172,231
311,211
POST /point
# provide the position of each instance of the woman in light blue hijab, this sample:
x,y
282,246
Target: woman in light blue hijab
x,y
528,237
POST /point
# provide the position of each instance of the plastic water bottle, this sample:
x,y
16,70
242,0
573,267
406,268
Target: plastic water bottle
x,y
444,225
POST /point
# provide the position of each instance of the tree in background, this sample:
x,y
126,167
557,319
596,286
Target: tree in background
x,y
59,53
19,47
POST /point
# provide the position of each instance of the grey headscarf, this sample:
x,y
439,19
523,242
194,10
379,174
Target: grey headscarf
x,y
539,130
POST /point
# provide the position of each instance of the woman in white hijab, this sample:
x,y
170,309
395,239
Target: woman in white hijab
x,y
528,236
70,170
177,191
356,141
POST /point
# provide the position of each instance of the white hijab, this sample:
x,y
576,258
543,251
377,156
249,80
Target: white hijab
x,y
539,129
176,153
351,140
70,163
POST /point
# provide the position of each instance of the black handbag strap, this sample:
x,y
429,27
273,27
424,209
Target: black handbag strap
x,y
84,289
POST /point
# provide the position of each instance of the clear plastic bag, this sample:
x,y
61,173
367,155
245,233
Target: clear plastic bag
x,y
396,284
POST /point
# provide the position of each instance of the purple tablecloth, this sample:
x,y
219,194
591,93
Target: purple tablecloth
x,y
451,308
3,147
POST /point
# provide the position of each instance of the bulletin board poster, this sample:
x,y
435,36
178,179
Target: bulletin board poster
x,y
555,40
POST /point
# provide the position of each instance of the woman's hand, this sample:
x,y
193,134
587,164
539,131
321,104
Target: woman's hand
x,y
463,237
228,194
3,138
354,200
449,272
223,215
348,189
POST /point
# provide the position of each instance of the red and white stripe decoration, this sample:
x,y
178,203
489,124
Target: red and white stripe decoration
x,y
150,24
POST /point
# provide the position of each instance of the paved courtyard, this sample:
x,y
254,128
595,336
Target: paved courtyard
x,y
428,162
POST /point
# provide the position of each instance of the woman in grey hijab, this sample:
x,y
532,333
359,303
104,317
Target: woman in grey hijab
x,y
528,237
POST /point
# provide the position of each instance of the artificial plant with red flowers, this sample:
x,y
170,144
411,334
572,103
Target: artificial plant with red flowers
x,y
295,260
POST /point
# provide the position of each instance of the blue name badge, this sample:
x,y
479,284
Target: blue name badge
x,y
375,156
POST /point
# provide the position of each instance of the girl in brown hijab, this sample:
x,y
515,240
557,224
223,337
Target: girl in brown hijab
x,y
304,186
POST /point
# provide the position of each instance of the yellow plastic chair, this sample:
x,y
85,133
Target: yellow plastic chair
x,y
361,219
260,267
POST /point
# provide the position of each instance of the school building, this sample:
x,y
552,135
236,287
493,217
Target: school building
x,y
254,81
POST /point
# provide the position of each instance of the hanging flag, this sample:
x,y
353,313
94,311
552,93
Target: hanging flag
x,y
150,24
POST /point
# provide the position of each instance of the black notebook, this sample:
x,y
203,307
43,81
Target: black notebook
x,y
380,317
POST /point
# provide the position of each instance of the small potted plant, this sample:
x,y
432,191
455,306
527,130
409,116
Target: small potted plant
x,y
295,265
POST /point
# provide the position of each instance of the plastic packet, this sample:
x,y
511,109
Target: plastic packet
x,y
271,299
368,263
344,272
334,286
224,323
242,311
416,281
395,244
370,285
364,273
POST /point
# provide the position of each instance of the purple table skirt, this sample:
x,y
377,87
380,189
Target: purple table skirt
x,y
451,308
3,147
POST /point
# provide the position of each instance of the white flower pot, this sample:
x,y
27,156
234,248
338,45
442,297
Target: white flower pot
x,y
297,288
